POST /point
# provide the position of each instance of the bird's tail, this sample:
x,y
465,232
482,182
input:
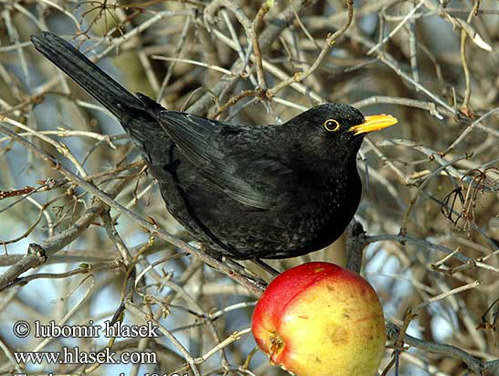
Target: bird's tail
x,y
89,76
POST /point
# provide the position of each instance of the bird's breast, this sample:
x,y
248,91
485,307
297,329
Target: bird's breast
x,y
330,209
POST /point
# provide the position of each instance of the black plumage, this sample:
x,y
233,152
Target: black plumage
x,y
256,191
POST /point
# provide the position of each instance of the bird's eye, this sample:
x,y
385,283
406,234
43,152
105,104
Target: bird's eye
x,y
331,125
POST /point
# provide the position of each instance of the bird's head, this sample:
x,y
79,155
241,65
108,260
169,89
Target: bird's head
x,y
338,128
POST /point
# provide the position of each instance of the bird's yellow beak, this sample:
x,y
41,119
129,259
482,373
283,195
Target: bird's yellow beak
x,y
374,123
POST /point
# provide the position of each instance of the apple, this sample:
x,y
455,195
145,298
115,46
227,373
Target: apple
x,y
321,319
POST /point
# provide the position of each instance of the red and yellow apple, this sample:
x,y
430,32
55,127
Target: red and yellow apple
x,y
321,319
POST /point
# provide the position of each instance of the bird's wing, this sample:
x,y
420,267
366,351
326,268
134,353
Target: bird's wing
x,y
223,153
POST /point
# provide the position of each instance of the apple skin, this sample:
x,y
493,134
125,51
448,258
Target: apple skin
x,y
321,319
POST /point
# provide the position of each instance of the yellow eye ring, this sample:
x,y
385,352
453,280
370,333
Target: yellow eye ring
x,y
331,125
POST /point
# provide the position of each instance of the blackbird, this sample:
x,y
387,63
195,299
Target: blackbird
x,y
245,192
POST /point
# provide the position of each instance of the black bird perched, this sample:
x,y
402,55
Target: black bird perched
x,y
246,192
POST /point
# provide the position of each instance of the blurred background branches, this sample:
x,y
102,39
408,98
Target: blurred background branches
x,y
85,234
